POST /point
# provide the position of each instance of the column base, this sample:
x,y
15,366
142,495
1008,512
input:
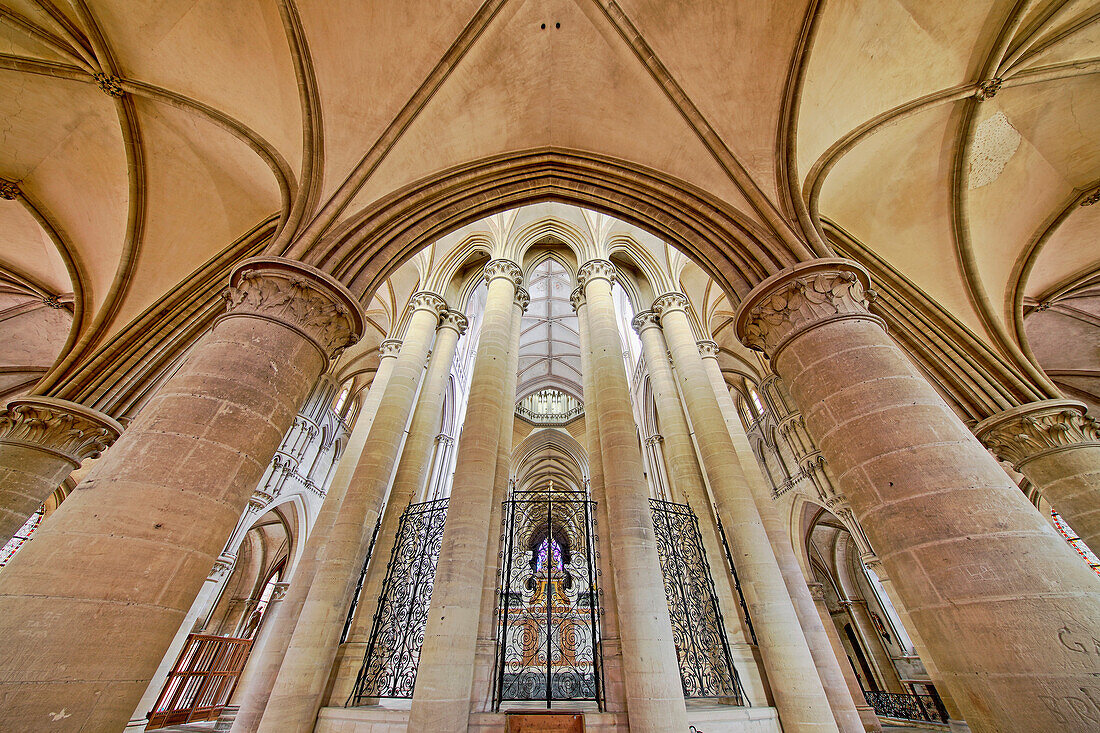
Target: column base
x,y
393,717
349,659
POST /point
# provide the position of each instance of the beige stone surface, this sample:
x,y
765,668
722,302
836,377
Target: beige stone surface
x,y
92,603
42,439
267,656
1057,446
654,697
481,692
686,478
975,565
412,471
441,699
792,674
297,693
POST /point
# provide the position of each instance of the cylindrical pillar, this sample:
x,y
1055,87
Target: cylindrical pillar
x,y
267,656
304,674
1057,446
956,720
88,608
1007,609
761,548
686,482
817,592
610,640
42,441
487,625
407,483
441,698
654,694
879,658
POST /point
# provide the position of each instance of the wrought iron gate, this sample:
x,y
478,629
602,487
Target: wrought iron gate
x,y
706,667
397,632
548,641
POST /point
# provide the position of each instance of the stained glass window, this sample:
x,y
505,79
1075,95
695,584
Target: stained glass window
x,y
552,546
20,538
1075,541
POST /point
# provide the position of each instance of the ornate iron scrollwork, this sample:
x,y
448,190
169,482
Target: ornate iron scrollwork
x,y
393,652
706,666
548,633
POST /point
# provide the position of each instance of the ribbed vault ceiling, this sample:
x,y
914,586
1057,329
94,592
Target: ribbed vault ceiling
x,y
144,139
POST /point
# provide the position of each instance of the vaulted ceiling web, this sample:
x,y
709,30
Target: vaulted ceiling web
x,y
549,343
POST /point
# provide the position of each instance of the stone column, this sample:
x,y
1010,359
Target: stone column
x,y
1006,607
229,713
267,656
481,694
88,608
956,720
610,641
686,482
771,578
866,712
654,694
42,441
1057,446
407,483
878,656
441,698
299,687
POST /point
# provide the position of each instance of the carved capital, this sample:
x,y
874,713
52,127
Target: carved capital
x,y
576,299
523,298
654,439
595,270
109,85
427,301
504,268
222,566
800,298
444,440
708,349
278,593
259,500
1022,434
9,190
670,302
644,320
817,591
871,562
299,297
389,348
65,429
454,319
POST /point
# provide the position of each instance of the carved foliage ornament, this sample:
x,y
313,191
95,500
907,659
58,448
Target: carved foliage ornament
x,y
109,85
576,299
523,298
389,347
707,349
644,320
803,297
9,190
297,296
428,301
70,430
670,302
1022,434
503,268
454,319
595,270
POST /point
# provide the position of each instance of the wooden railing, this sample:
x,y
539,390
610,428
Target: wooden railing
x,y
202,680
